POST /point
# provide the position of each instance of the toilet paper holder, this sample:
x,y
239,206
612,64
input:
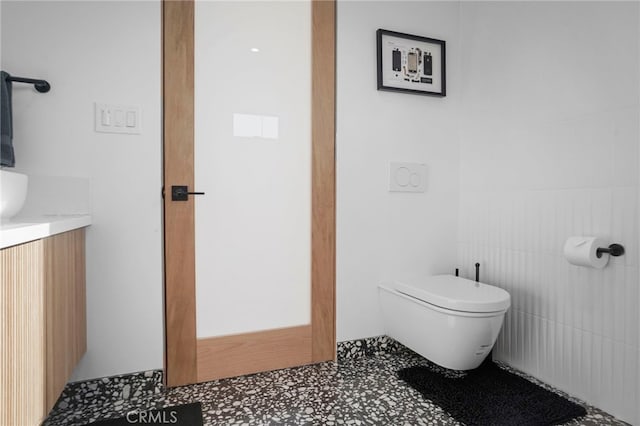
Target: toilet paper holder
x,y
613,250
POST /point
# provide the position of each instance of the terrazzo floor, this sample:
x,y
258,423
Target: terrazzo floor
x,y
362,388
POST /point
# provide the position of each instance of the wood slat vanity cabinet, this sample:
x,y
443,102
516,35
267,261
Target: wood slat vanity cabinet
x,y
42,323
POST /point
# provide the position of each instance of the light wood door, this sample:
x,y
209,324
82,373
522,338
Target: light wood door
x,y
189,358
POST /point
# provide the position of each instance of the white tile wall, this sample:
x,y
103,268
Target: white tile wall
x,y
576,328
549,149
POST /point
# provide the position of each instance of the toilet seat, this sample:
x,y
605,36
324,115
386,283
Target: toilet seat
x,y
457,294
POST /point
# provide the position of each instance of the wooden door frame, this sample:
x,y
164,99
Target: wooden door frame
x,y
271,349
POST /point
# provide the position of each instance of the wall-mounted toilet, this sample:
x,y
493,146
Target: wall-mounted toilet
x,y
451,321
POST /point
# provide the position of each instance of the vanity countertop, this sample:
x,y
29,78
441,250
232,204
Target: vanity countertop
x,y
23,230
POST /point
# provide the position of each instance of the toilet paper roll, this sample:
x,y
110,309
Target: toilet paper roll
x,y
581,251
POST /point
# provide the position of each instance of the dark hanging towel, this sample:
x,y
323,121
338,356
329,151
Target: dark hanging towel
x,y
7,156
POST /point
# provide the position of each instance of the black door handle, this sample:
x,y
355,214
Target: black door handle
x,y
181,193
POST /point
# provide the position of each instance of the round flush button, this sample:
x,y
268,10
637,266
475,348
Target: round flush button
x,y
415,179
403,176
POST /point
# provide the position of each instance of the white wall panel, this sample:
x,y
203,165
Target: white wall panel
x,y
99,51
381,235
549,149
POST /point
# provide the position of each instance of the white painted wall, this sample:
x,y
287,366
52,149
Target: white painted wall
x,y
106,52
549,148
383,235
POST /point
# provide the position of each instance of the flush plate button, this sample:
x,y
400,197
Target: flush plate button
x,y
407,177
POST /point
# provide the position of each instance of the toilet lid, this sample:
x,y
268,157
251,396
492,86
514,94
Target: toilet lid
x,y
459,294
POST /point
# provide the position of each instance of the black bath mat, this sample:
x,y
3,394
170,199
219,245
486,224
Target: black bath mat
x,y
492,396
180,415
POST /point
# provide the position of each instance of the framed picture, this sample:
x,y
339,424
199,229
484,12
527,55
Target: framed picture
x,y
410,63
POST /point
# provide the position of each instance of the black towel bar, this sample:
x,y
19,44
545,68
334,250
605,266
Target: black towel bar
x,y
41,86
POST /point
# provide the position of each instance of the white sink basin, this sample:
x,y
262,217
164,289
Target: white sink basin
x,y
13,193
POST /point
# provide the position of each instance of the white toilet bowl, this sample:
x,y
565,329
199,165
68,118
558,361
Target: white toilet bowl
x,y
451,321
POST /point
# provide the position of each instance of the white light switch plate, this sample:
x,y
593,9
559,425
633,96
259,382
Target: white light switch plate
x,y
407,177
117,118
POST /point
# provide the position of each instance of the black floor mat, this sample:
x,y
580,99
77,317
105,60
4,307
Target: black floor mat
x,y
180,415
492,396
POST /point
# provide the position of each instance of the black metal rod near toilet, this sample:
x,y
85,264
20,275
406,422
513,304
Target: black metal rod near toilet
x,y
477,272
614,250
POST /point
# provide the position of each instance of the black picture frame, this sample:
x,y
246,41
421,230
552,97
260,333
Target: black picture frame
x,y
411,64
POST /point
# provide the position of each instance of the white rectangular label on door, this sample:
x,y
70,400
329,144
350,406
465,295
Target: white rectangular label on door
x,y
255,126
